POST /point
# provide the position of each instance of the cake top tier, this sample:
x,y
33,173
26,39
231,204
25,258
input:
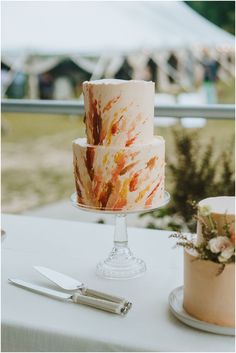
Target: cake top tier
x,y
221,210
115,81
220,204
118,112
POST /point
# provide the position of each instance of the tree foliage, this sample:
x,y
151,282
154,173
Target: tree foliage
x,y
221,13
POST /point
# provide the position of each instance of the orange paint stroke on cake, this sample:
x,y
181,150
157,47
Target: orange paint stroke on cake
x,y
133,185
109,105
134,154
94,118
142,194
104,161
130,141
115,127
89,193
127,168
77,185
105,194
76,170
117,124
97,183
124,190
132,128
151,163
89,159
121,195
115,194
109,130
152,195
120,204
119,159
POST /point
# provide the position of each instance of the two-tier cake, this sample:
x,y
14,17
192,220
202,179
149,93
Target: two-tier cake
x,y
120,166
209,294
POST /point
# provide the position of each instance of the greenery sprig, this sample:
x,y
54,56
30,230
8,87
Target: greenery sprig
x,y
213,246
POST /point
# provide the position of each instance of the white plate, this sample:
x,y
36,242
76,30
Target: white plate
x,y
176,307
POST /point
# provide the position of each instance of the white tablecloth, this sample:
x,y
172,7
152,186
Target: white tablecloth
x,y
31,322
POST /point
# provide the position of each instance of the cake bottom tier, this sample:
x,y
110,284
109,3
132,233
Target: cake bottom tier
x,y
113,178
207,296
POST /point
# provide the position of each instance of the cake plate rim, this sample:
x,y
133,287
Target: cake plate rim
x,y
165,201
175,300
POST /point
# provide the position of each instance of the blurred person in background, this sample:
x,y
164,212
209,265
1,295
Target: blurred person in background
x,y
46,86
210,70
18,87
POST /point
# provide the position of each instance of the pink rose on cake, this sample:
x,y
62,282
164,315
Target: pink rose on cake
x,y
221,245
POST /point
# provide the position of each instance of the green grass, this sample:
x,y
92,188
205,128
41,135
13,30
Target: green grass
x,y
26,127
226,92
35,188
37,159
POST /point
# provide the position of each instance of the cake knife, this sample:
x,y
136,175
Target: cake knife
x,y
77,298
69,283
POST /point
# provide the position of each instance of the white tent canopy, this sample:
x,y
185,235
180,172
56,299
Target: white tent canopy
x,y
98,36
92,28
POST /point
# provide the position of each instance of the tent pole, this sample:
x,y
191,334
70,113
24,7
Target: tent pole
x,y
33,86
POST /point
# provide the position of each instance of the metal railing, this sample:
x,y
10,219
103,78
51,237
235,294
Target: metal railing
x,y
215,111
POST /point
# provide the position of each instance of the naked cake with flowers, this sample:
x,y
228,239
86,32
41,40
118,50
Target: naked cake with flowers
x,y
209,263
120,166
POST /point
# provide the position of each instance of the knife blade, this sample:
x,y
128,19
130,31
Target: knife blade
x,y
69,283
40,289
116,308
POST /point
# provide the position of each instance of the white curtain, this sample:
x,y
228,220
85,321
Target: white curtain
x,y
138,61
114,65
160,58
86,64
99,66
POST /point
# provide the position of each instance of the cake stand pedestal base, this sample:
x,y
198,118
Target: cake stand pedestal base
x,y
120,263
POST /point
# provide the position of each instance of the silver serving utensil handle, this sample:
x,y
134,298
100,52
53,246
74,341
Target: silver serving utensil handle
x,y
116,308
102,295
70,284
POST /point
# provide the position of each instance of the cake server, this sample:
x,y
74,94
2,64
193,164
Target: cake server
x,y
78,298
69,283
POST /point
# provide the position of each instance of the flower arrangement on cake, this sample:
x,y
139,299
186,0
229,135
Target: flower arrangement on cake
x,y
209,263
217,245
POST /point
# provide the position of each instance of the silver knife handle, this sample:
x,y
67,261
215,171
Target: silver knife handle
x,y
101,295
105,305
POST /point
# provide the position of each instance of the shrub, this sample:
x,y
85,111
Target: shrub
x,y
195,174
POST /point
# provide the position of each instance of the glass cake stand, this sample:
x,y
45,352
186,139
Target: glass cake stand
x,y
120,263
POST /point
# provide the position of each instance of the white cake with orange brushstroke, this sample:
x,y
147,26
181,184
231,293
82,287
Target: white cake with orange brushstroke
x,y
121,164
